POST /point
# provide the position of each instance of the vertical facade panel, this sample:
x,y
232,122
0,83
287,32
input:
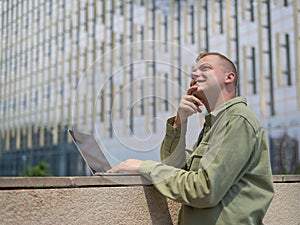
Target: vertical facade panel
x,y
261,61
296,17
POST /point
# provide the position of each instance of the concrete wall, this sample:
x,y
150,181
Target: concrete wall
x,y
114,200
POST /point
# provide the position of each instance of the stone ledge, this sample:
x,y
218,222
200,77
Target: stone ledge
x,y
114,200
72,182
286,178
97,181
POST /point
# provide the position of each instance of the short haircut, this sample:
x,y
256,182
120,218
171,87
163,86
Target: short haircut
x,y
229,63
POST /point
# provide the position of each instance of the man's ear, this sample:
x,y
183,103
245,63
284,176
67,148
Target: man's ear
x,y
230,77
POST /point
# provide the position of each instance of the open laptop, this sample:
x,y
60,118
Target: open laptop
x,y
92,153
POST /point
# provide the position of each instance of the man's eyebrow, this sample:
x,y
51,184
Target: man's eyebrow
x,y
201,66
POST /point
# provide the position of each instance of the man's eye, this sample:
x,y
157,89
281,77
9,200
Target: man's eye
x,y
205,68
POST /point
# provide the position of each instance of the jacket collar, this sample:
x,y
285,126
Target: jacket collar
x,y
225,106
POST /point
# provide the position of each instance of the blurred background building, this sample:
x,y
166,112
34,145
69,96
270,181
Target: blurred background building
x,y
117,69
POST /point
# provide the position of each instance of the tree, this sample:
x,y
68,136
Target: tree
x,y
39,170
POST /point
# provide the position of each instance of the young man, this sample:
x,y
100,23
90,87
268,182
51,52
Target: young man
x,y
225,178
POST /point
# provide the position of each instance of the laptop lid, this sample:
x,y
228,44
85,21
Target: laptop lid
x,y
90,151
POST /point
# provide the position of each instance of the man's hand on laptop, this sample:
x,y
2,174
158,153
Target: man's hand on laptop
x,y
128,166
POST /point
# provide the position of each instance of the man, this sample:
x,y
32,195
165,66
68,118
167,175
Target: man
x,y
225,178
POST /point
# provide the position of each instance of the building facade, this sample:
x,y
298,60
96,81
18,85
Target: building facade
x,y
117,69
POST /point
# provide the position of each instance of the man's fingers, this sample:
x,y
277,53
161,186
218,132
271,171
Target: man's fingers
x,y
196,101
191,90
189,104
114,170
192,99
187,107
129,165
194,105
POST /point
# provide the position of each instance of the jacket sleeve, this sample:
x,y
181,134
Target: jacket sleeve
x,y
173,150
214,167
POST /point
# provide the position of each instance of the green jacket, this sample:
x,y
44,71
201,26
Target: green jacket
x,y
226,179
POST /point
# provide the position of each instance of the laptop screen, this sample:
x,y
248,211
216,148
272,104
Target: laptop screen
x,y
90,151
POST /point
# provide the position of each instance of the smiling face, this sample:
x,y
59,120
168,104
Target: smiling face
x,y
212,75
208,75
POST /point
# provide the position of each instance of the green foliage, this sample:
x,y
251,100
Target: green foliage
x,y
297,171
40,170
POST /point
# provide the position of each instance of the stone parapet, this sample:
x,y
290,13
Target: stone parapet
x,y
114,200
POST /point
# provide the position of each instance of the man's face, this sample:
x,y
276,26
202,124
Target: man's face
x,y
208,76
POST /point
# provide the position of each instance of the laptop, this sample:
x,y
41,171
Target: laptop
x,y
92,153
